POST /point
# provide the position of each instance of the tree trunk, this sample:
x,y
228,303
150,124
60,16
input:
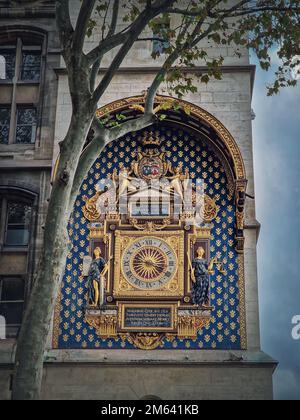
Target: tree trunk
x,y
35,326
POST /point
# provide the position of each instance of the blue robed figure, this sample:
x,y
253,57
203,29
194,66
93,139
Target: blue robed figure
x,y
200,275
96,280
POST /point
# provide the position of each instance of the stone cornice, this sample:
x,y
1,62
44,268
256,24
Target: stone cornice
x,y
15,164
248,68
146,358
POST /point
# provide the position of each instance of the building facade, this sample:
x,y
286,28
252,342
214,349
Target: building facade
x,y
150,337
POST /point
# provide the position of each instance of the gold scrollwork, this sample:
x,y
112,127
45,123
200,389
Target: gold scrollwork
x,y
210,210
105,325
125,286
145,341
149,227
90,210
240,220
189,325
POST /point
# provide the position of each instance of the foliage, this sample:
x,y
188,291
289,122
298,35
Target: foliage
x,y
268,28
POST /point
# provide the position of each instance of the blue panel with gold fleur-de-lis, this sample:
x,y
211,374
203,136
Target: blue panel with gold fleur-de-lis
x,y
197,155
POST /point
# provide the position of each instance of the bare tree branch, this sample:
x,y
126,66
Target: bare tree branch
x,y
131,126
160,77
96,65
191,42
106,45
245,12
194,12
153,9
102,137
144,18
151,39
114,19
84,16
65,27
183,12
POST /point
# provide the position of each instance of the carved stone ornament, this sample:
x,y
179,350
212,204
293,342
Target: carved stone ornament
x,y
145,341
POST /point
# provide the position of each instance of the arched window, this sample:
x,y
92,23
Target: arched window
x,y
18,223
21,71
16,232
16,215
21,60
12,296
7,62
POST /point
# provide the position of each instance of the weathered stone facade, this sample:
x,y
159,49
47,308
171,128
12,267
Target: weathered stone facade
x,y
130,374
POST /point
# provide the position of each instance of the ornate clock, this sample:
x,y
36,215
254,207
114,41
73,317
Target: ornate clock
x,y
149,263
149,282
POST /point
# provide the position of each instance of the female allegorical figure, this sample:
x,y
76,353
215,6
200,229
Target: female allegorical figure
x,y
200,272
96,280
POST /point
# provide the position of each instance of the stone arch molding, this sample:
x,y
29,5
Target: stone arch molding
x,y
231,151
8,33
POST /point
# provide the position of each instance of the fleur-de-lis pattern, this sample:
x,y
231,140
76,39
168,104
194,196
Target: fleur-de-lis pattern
x,y
197,155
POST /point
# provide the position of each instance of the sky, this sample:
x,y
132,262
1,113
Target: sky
x,y
276,137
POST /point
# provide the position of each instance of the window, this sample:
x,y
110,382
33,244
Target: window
x,y
17,218
31,64
26,125
20,74
15,221
27,68
7,62
12,294
4,124
18,224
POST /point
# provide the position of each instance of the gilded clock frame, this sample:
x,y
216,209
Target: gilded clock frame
x,y
173,289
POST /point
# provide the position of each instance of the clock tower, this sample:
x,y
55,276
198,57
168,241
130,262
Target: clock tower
x,y
167,207
159,295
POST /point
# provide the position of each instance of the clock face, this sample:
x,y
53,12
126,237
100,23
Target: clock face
x,y
149,263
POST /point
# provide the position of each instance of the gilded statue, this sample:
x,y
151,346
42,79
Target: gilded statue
x,y
200,271
96,280
176,179
125,181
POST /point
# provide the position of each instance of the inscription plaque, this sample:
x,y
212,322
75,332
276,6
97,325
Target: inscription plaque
x,y
148,318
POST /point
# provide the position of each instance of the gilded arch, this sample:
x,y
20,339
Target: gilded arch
x,y
223,141
135,103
